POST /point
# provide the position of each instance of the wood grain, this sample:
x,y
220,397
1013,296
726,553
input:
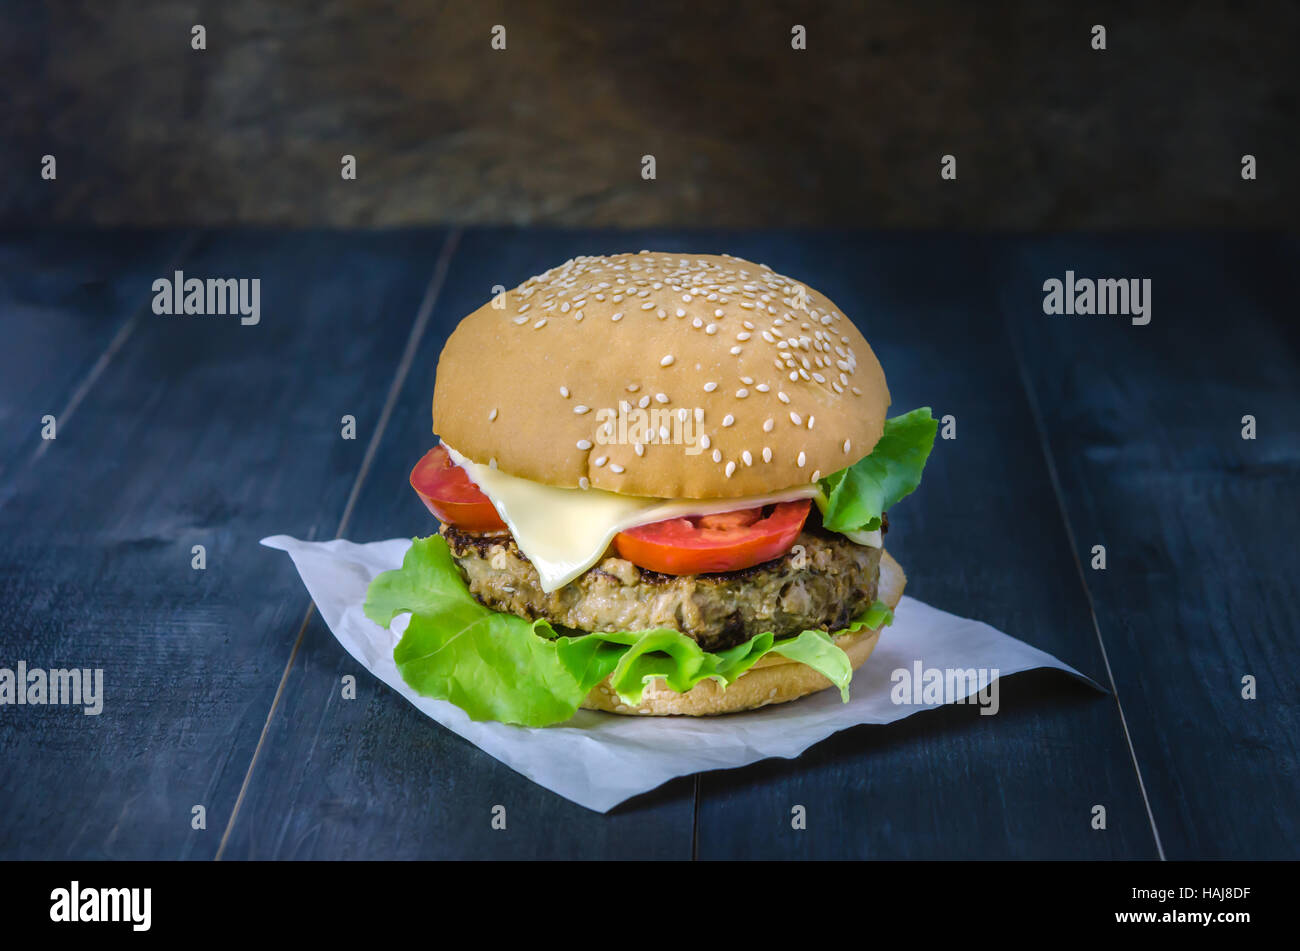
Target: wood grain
x,y
1071,431
1199,525
69,301
199,432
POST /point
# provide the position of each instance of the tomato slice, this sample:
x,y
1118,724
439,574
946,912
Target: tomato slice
x,y
700,544
446,489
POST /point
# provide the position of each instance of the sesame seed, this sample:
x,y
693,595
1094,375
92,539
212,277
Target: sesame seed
x,y
584,444
711,329
810,421
793,376
523,308
846,445
802,460
717,455
520,320
564,308
584,483
666,360
767,454
615,468
680,312
564,391
492,415
617,316
540,324
718,312
769,424
796,418
856,391
661,397
648,305
644,401
705,441
741,393
599,461
697,323
817,473
640,449
633,387
728,420
749,460
782,397
580,409
577,315
767,335
762,387
736,351
731,468
819,378
747,380
710,387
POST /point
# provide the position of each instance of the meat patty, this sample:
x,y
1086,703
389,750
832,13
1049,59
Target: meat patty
x,y
824,582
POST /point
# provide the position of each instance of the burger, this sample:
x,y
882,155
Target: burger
x,y
662,482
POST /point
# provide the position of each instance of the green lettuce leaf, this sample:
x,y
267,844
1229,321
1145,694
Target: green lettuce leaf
x,y
497,666
856,497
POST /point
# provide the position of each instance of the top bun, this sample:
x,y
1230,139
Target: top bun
x,y
692,376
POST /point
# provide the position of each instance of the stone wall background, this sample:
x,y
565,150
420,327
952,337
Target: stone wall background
x,y
746,132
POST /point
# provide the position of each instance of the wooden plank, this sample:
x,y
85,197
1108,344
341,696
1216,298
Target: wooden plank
x,y
200,431
69,300
1199,525
373,778
982,538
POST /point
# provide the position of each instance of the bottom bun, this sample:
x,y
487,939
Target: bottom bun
x,y
774,679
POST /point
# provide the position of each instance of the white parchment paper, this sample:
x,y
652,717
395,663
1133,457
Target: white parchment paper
x,y
600,759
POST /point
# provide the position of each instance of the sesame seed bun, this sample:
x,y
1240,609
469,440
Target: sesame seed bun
x,y
772,680
539,384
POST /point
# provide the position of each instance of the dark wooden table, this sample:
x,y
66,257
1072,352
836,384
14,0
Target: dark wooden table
x,y
222,686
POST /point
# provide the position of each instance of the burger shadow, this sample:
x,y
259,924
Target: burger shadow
x,y
1025,699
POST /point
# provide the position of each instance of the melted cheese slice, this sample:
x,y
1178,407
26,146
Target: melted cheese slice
x,y
563,532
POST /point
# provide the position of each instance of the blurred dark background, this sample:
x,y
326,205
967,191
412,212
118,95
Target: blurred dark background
x,y
1048,133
